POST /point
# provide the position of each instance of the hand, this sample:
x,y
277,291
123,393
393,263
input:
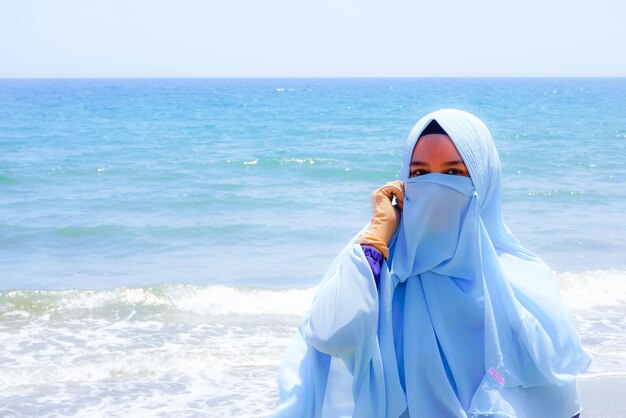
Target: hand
x,y
386,217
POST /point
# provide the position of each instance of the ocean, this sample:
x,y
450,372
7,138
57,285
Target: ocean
x,y
161,238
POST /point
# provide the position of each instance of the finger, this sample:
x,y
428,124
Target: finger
x,y
396,188
393,189
388,192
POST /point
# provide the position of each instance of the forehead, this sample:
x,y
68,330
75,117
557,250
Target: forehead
x,y
435,147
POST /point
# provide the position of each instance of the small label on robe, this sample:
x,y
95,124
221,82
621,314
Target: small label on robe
x,y
496,376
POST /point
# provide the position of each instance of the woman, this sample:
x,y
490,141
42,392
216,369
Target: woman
x,y
435,309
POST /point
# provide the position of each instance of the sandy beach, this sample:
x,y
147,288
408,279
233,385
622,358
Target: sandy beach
x,y
603,397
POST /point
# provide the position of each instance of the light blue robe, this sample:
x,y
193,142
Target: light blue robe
x,y
465,322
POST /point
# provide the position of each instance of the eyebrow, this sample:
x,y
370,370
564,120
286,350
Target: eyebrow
x,y
455,162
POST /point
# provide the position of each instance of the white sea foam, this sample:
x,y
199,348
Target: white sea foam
x,y
131,367
593,288
222,300
178,347
214,300
580,291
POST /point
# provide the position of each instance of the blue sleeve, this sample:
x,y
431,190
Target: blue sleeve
x,y
342,327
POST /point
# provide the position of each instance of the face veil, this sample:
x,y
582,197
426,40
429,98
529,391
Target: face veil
x,y
439,228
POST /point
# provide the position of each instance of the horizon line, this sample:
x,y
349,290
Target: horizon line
x,y
305,77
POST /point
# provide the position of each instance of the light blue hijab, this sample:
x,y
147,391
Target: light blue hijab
x,y
465,322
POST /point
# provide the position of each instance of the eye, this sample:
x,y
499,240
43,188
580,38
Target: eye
x,y
419,172
455,172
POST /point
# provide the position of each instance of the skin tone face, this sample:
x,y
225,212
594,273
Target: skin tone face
x,y
436,153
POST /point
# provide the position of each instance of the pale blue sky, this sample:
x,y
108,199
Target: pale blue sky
x,y
316,38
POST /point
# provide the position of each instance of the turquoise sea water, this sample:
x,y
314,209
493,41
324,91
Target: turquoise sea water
x,y
159,237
